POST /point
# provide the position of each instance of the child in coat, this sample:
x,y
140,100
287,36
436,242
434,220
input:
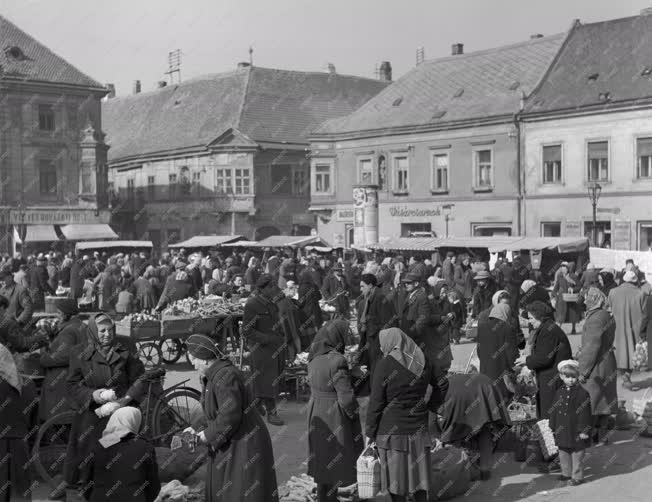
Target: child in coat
x,y
570,422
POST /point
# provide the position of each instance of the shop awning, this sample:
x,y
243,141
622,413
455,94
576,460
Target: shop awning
x,y
561,244
37,233
206,241
289,241
81,246
406,244
477,242
239,244
77,232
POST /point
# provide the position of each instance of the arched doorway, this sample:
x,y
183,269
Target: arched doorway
x,y
264,232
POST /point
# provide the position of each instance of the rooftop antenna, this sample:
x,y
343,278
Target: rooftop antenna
x,y
174,65
251,55
421,54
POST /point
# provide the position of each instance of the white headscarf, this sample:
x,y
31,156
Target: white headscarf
x,y
9,370
124,421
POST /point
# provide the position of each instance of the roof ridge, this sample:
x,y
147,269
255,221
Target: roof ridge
x,y
4,19
244,100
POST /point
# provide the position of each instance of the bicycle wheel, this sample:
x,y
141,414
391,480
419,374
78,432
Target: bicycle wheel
x,y
150,354
50,444
175,411
171,350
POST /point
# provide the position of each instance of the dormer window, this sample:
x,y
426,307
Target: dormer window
x,y
15,52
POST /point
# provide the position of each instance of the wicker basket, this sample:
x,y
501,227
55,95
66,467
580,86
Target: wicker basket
x,y
368,473
522,411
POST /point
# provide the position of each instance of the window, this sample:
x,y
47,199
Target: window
x,y
46,117
281,179
491,229
151,187
552,164
645,236
223,181
604,233
483,169
131,184
300,182
47,177
365,171
242,182
407,229
184,180
172,186
401,174
598,158
440,172
322,179
644,155
551,229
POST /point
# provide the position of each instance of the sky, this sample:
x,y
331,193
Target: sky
x,y
120,41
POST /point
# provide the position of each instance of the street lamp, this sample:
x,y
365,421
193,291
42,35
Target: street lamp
x,y
593,191
447,208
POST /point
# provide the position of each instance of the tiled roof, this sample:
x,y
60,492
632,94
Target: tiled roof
x,y
35,62
264,104
455,88
605,57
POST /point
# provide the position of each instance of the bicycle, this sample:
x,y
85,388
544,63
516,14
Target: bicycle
x,y
166,412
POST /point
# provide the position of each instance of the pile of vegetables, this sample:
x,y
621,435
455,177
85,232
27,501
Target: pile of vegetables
x,y
140,317
207,307
304,489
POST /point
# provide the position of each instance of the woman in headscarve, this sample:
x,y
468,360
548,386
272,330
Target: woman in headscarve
x,y
497,347
103,377
598,362
241,459
70,333
123,466
18,416
334,435
532,292
397,418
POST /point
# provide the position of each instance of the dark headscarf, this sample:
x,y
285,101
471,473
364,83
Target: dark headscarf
x,y
204,348
67,306
331,336
263,281
540,310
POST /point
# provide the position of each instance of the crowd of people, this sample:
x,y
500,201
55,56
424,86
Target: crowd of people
x,y
407,313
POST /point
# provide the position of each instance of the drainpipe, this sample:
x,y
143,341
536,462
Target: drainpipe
x,y
520,207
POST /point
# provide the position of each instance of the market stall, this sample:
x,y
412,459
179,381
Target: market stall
x,y
206,241
113,245
289,241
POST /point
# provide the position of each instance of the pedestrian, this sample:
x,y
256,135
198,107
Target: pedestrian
x,y
38,283
334,432
20,302
123,465
240,456
455,305
252,274
335,290
146,297
597,362
107,288
291,323
126,299
566,282
570,422
448,269
463,277
413,310
628,304
484,290
177,287
308,299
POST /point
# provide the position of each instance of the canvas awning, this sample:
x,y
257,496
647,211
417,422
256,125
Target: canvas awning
x,y
77,232
81,246
406,244
206,241
561,244
289,241
477,242
239,244
37,233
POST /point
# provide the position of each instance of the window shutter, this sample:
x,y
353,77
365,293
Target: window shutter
x,y
598,150
552,153
643,146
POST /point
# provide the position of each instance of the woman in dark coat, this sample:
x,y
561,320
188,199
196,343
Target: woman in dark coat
x,y
334,436
598,362
71,333
397,417
497,347
464,279
550,346
135,478
18,417
103,376
241,459
309,296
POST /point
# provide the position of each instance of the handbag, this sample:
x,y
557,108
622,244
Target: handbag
x,y
368,472
523,410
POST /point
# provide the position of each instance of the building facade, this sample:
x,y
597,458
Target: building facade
x,y
222,154
437,151
590,122
52,153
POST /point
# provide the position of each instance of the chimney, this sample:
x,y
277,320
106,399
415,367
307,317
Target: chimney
x,y
136,88
111,88
331,69
536,35
646,12
243,64
457,49
385,73
421,54
161,83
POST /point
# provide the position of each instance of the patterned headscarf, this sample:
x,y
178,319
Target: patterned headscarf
x,y
501,311
9,370
123,422
595,299
395,343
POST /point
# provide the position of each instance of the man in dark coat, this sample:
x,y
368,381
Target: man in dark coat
x,y
177,287
418,268
335,290
413,310
262,331
20,301
309,296
39,286
484,291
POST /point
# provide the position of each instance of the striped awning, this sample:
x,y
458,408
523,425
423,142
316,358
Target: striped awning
x,y
77,232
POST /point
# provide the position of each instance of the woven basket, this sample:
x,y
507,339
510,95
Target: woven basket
x,y
368,473
522,411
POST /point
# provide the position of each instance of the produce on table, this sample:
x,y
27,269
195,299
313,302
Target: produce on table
x,y
210,306
139,317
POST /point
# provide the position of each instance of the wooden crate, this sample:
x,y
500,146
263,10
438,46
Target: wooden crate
x,y
183,327
145,330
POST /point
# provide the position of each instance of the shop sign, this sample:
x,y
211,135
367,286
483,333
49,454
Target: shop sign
x,y
57,216
573,229
344,215
621,237
407,212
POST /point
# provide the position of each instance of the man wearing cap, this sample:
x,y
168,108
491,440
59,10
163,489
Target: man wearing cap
x,y
20,303
413,309
335,290
627,306
38,283
484,291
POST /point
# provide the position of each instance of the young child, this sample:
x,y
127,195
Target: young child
x,y
570,422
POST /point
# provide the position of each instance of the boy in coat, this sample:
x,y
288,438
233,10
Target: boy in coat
x,y
570,422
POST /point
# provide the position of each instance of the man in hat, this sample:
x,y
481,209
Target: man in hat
x,y
20,302
38,283
417,267
448,269
628,305
483,292
335,290
413,309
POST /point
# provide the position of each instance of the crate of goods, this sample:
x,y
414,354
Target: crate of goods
x,y
138,329
546,439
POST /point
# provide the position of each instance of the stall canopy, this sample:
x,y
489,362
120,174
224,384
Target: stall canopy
x,y
477,242
207,241
426,244
289,241
560,244
77,232
239,244
81,246
37,233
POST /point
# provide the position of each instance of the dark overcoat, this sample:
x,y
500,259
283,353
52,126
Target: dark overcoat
x,y
145,294
497,351
550,346
334,431
309,296
337,290
379,315
414,313
264,335
241,459
598,362
570,416
39,286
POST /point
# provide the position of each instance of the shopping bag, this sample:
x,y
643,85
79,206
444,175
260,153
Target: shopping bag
x,y
640,356
546,439
368,472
